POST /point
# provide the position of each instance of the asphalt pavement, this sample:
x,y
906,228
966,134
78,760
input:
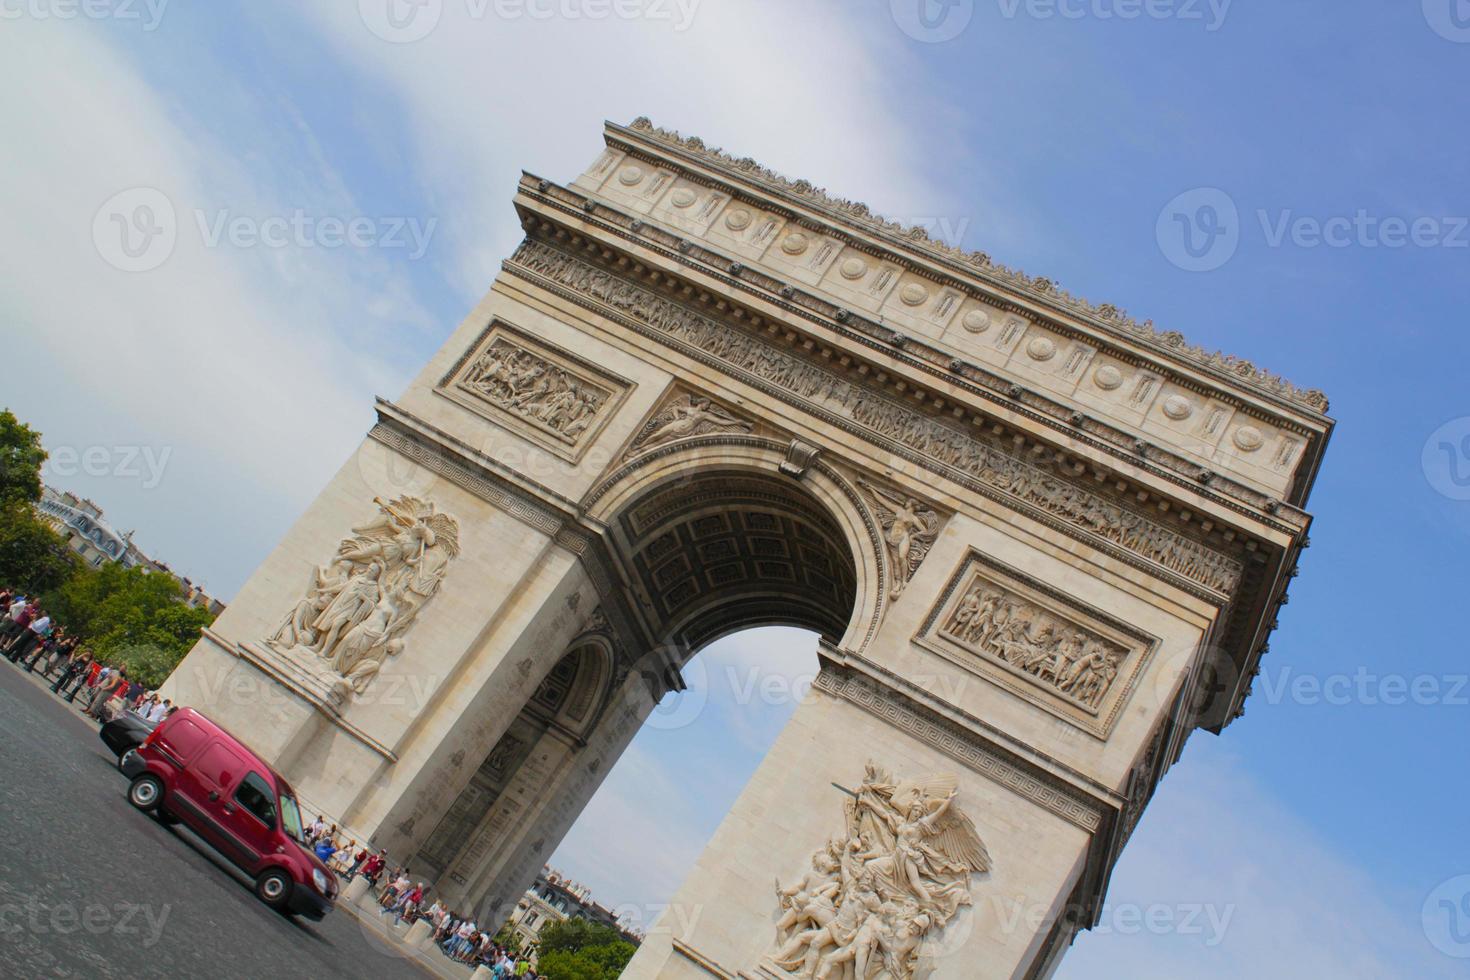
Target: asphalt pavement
x,y
90,887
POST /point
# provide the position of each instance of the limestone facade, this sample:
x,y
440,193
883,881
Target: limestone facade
x,y
1042,544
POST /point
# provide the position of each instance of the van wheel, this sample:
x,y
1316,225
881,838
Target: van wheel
x,y
273,887
145,792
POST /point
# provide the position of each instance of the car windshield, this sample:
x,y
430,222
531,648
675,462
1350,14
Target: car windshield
x,y
291,817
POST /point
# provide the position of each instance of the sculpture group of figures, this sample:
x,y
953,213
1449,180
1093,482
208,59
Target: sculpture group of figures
x,y
1055,652
530,386
358,605
899,874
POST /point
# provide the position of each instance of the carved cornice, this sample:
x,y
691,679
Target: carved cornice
x,y
877,418
961,744
1039,289
972,378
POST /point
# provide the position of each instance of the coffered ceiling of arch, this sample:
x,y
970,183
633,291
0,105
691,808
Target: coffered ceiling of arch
x,y
714,554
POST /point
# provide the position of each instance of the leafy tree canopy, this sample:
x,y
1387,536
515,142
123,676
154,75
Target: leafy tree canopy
x,y
581,950
21,457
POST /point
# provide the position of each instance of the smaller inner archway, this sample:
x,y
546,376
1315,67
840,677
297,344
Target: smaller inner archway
x,y
718,552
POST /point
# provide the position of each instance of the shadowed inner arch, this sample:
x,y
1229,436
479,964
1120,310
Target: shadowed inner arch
x,y
720,552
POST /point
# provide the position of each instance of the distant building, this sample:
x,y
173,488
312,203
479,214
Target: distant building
x,y
81,525
556,898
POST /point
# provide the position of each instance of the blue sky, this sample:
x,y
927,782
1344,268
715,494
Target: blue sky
x,y
1059,144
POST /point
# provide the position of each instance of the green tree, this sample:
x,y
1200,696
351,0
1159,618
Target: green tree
x,y
32,556
21,457
129,616
509,938
581,950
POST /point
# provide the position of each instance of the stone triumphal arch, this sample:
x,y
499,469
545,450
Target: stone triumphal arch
x,y
1041,543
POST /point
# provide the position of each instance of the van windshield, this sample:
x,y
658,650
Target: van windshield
x,y
291,817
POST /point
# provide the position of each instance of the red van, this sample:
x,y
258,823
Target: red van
x,y
191,770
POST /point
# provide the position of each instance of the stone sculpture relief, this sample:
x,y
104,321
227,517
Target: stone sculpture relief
x,y
880,416
527,385
909,530
688,415
1068,658
898,875
358,606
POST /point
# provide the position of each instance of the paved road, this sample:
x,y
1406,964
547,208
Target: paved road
x,y
89,887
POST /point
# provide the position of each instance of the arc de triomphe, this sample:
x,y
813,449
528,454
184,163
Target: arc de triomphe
x,y
1042,543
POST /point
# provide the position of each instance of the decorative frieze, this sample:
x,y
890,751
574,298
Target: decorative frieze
x,y
932,441
531,386
1051,650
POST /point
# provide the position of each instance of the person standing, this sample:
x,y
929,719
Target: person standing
x,y
35,634
107,689
20,621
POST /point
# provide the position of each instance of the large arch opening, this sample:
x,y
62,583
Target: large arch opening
x,y
740,571
737,558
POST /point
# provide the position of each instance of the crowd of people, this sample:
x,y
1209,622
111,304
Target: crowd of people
x,y
458,937
30,639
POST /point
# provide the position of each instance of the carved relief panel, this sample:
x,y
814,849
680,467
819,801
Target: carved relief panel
x,y
534,387
1074,661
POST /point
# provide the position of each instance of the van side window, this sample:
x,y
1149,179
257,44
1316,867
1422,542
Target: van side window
x,y
255,795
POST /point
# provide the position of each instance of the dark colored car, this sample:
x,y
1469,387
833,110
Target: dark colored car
x,y
190,770
125,733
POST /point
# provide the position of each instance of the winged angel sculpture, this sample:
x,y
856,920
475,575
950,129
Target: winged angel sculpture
x,y
900,874
909,530
358,606
691,415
